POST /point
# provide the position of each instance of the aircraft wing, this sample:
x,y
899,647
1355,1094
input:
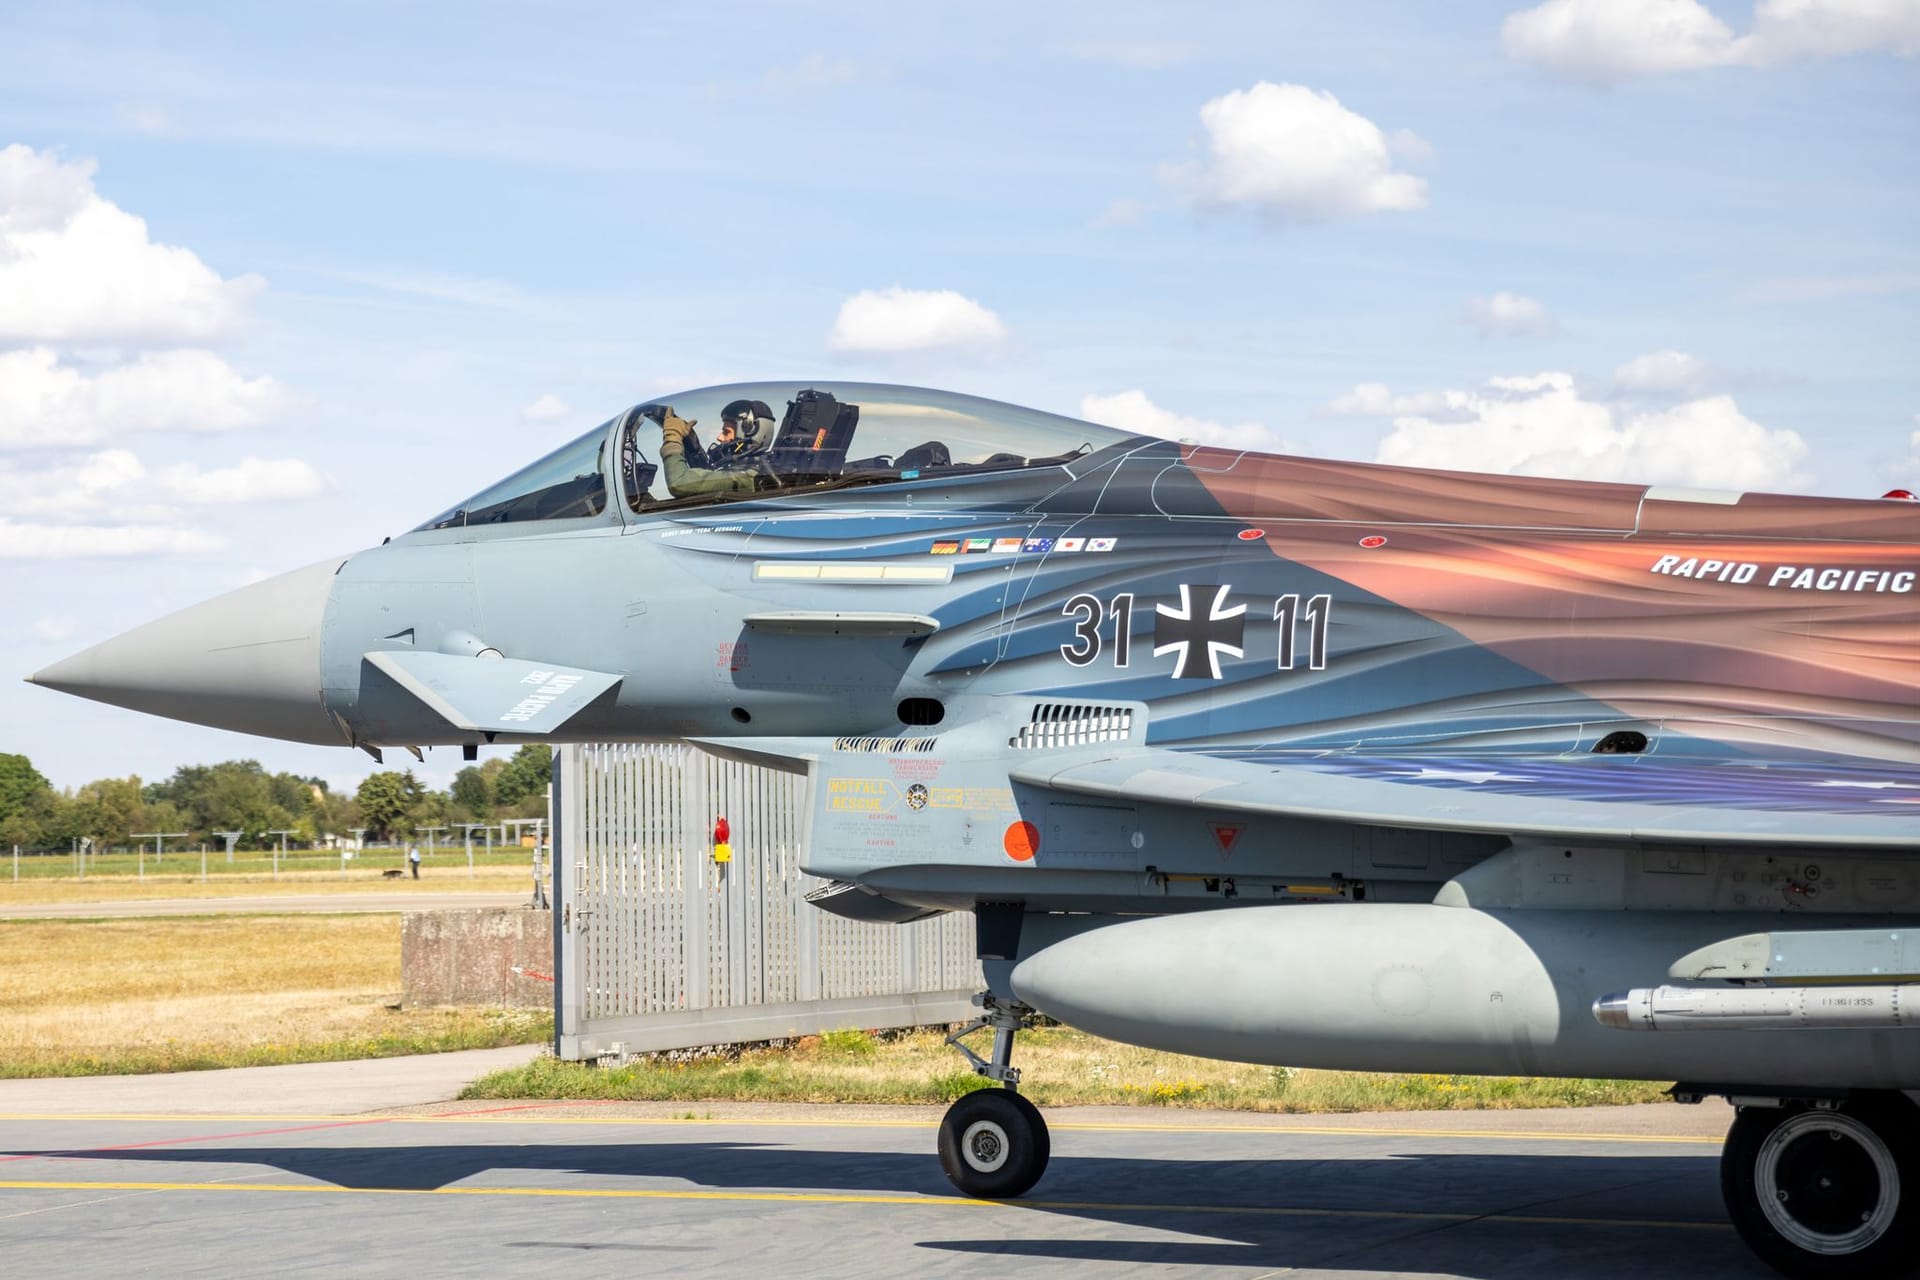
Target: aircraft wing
x,y
498,695
1604,799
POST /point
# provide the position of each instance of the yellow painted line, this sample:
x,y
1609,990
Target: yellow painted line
x,y
821,1197
1516,1135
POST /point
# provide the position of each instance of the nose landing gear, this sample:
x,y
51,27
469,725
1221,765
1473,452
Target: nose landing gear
x,y
993,1143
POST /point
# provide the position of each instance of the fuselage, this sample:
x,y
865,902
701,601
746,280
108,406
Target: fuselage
x,y
1253,603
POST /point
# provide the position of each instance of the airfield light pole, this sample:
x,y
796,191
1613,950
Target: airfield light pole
x,y
230,838
470,826
278,853
16,864
430,831
157,837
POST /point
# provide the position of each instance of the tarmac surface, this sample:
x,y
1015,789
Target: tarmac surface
x,y
359,902
146,1174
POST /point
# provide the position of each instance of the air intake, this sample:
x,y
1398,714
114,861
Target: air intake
x,y
886,746
1065,724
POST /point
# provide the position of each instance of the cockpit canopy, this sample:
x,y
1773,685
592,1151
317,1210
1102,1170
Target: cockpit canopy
x,y
768,437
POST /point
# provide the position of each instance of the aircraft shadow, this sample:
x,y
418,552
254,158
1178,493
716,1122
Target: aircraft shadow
x,y
1507,1216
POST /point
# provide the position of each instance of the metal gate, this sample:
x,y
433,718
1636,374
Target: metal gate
x,y
657,946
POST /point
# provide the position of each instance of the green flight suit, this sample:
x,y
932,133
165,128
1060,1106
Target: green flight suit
x,y
684,481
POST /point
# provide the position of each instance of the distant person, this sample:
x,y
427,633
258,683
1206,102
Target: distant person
x,y
685,480
413,859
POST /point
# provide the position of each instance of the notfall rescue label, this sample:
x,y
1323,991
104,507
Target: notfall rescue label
x,y
1786,577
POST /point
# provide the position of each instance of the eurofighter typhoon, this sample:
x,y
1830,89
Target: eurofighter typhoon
x,y
1264,758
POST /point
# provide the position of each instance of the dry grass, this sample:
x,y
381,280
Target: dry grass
x,y
1059,1066
159,995
441,878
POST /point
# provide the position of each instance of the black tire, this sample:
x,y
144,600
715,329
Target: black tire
x,y
993,1144
1828,1195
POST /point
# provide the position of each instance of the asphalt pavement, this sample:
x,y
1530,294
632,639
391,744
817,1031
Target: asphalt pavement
x,y
322,1171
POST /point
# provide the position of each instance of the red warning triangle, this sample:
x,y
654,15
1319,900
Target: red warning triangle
x,y
1226,837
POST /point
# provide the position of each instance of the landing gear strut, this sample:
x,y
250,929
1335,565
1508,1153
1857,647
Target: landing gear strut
x,y
993,1143
1830,1190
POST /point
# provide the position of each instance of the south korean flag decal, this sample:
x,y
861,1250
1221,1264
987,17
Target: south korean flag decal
x,y
1199,640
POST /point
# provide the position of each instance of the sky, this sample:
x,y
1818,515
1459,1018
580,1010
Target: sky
x,y
277,282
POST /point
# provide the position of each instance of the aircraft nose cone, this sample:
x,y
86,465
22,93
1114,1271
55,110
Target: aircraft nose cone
x,y
248,661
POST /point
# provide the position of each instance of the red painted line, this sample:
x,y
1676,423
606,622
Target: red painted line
x,y
491,1111
175,1142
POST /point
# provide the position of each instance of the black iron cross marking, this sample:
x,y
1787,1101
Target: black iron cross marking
x,y
1200,640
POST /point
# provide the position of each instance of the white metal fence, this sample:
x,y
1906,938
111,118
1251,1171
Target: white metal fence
x,y
657,946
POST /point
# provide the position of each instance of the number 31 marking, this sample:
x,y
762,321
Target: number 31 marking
x,y
1086,629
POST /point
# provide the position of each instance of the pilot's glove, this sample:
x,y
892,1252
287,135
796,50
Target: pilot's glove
x,y
674,428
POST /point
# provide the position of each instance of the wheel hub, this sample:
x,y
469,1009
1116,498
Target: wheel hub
x,y
985,1145
1827,1183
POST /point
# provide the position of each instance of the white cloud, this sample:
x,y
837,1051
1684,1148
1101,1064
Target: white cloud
x,y
1121,213
1132,411
1373,400
1905,472
1508,314
1810,288
1608,41
1141,55
1662,373
1791,30
116,481
815,71
59,628
68,542
1409,146
1295,154
77,268
1541,425
548,408
248,480
895,320
44,402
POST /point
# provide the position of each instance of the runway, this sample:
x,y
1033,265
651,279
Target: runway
x,y
466,1188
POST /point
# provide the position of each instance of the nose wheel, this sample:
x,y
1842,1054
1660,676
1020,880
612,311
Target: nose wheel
x,y
993,1143
1821,1194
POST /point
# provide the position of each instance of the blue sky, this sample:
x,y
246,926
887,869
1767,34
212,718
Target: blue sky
x,y
284,282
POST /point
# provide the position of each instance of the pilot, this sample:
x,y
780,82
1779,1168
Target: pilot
x,y
687,481
746,426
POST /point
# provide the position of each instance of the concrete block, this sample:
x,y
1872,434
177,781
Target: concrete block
x,y
496,956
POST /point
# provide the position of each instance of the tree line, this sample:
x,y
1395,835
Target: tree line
x,y
240,795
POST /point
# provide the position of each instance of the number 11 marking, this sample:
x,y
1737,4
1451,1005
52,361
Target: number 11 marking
x,y
1287,612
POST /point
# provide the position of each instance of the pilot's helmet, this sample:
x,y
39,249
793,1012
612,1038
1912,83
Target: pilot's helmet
x,y
752,423
750,418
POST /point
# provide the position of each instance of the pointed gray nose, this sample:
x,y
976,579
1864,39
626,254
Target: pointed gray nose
x,y
248,661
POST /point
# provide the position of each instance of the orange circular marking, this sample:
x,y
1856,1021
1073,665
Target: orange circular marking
x,y
1022,841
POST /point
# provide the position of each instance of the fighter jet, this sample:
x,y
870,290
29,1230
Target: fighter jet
x,y
1272,759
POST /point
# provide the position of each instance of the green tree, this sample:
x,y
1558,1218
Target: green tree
x,y
387,802
473,793
235,795
115,807
524,780
20,785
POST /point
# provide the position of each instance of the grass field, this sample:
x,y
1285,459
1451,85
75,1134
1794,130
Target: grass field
x,y
101,888
1059,1066
125,996
183,993
184,863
